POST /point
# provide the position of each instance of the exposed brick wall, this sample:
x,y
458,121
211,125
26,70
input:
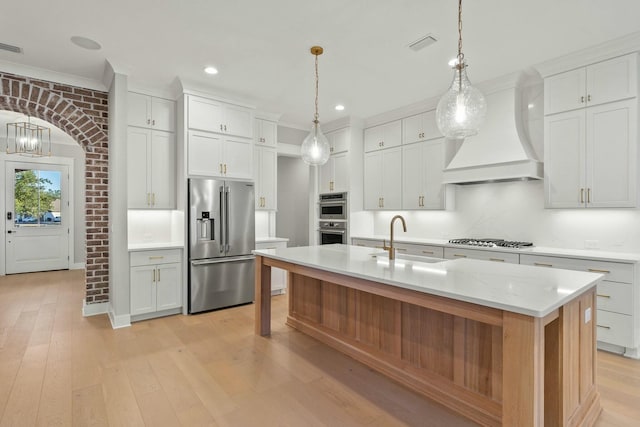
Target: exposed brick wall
x,y
84,115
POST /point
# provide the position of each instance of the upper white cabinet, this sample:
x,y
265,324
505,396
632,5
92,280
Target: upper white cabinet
x,y
338,140
383,136
151,176
383,179
591,150
215,116
265,177
422,186
420,127
599,83
266,133
151,112
215,155
334,175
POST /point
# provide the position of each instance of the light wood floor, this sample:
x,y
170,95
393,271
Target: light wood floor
x,y
58,368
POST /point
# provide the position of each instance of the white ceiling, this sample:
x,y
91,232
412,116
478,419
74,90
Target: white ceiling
x,y
262,47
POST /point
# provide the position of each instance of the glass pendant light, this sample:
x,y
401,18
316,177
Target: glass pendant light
x,y
315,148
462,109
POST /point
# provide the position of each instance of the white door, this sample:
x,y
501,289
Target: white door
x,y
37,216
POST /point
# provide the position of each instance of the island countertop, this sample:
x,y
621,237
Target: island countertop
x,y
532,291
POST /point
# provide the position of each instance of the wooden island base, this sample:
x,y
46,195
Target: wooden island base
x,y
493,366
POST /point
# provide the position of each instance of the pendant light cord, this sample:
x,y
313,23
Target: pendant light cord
x,y
316,114
460,64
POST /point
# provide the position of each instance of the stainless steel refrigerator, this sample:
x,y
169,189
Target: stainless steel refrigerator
x,y
221,238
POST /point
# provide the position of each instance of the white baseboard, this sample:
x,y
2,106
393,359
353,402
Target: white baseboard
x,y
121,321
94,309
77,266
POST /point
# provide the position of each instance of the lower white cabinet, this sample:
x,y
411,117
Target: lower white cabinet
x,y
155,282
615,295
278,276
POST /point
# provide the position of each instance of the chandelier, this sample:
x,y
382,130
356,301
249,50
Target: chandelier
x,y
28,139
315,148
461,110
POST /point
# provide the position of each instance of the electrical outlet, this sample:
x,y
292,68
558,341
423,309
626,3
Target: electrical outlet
x,y
591,244
587,315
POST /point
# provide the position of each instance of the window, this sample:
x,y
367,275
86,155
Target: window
x,y
37,198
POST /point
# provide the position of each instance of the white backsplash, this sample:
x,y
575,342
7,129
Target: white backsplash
x,y
155,226
515,211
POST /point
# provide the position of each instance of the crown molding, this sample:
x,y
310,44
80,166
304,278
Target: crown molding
x,y
51,76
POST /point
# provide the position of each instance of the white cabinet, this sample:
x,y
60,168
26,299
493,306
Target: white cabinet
x,y
481,254
266,133
265,177
215,116
333,176
338,140
215,155
615,296
369,243
590,157
383,136
156,282
611,80
278,276
151,176
420,127
151,112
383,179
423,163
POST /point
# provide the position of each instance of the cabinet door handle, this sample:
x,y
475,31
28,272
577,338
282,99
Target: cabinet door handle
x,y
595,270
153,122
153,199
225,128
158,275
428,252
383,202
581,99
588,195
401,249
221,129
382,144
542,264
496,259
148,121
156,257
154,275
225,168
588,98
359,244
603,327
148,199
603,296
220,168
582,195
460,255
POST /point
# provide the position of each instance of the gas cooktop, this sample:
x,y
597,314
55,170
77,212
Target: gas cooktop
x,y
491,243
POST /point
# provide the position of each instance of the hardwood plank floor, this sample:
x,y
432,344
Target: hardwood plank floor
x,y
59,368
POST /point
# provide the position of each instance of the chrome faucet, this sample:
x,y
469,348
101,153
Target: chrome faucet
x,y
390,248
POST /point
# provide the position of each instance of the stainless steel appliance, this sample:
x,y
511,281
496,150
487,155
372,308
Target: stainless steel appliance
x,y
333,232
221,238
491,243
333,206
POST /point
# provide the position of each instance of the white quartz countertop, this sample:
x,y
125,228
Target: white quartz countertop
x,y
536,250
133,247
517,288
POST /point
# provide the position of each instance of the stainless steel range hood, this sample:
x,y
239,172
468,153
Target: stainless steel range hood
x,y
501,151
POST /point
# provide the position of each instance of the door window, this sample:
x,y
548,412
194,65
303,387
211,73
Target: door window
x,y
37,198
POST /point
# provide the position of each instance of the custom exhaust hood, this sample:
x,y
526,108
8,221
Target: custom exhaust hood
x,y
501,150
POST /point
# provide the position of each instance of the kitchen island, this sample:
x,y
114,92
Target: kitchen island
x,y
500,344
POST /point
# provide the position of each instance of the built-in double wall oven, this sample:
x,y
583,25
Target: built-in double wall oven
x,y
332,224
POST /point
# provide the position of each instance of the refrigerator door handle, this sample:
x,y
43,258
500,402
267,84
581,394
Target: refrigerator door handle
x,y
226,218
223,235
220,260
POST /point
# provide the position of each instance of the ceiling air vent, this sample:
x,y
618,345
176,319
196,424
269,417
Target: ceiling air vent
x,y
9,48
423,42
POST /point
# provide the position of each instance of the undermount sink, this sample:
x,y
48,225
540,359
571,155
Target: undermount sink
x,y
415,258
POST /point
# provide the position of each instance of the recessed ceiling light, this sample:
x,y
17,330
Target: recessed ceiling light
x,y
211,70
85,43
339,107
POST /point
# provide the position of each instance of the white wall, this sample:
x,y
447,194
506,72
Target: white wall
x,y
292,220
515,211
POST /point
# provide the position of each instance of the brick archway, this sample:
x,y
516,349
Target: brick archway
x,y
83,115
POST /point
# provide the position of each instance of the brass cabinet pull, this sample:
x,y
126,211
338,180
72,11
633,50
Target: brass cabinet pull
x,y
603,327
220,165
401,249
595,270
359,244
496,259
221,127
460,255
379,247
588,98
158,275
582,195
153,199
156,257
428,252
148,121
154,275
225,165
542,264
148,199
153,122
225,128
582,99
383,202
603,296
588,195
331,149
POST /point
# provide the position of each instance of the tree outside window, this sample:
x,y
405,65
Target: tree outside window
x,y
36,197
